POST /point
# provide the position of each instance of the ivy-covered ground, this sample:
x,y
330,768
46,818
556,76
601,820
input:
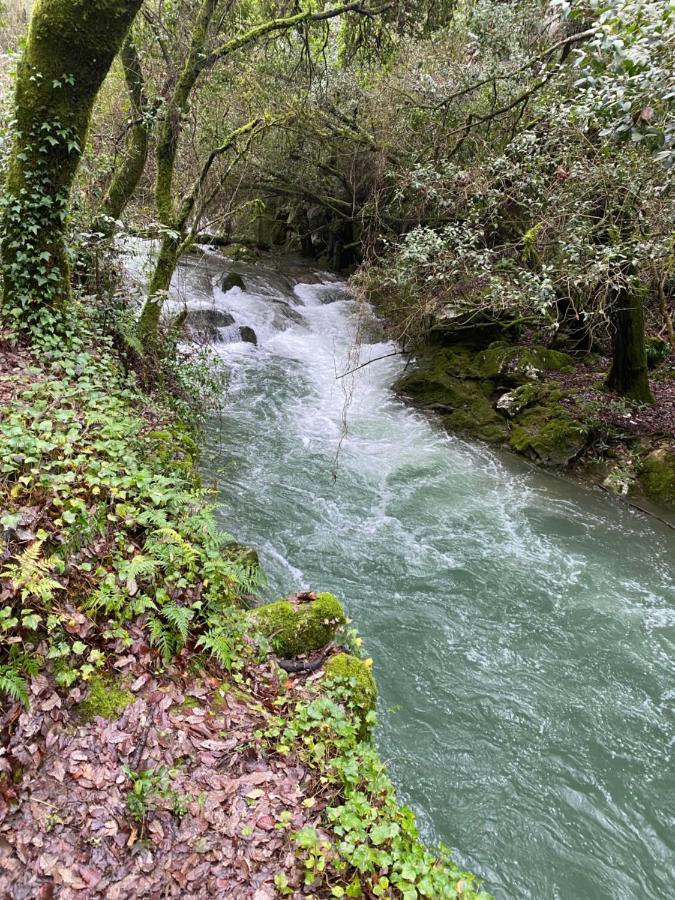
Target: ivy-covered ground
x,y
151,743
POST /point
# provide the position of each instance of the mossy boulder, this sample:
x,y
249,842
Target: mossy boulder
x,y
354,675
106,699
294,627
548,436
465,402
506,363
657,475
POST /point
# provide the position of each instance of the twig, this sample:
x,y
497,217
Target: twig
x,y
374,359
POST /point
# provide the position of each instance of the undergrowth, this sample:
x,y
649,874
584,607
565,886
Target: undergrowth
x,y
366,844
104,523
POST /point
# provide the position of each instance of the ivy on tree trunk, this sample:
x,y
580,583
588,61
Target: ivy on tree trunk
x,y
70,47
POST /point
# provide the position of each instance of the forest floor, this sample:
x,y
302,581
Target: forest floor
x,y
207,814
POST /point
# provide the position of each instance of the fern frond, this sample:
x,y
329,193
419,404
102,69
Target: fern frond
x,y
13,685
179,617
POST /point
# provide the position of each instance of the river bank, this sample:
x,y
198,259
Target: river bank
x,y
550,406
151,742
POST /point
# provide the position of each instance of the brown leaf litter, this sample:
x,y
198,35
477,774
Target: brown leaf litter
x,y
66,830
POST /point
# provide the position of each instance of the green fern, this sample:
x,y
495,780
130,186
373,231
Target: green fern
x,y
162,637
30,575
179,617
12,684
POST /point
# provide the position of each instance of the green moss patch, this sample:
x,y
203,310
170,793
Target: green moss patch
x,y
299,627
355,674
106,699
518,364
548,436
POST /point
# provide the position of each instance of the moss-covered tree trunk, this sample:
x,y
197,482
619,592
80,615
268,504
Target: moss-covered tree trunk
x,y
628,372
70,47
160,281
126,178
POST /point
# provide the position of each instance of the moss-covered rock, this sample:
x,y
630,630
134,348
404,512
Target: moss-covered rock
x,y
442,381
514,402
242,554
516,365
657,475
295,627
548,436
105,699
355,675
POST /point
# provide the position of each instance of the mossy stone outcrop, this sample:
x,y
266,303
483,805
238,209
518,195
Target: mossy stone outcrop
x,y
294,627
355,673
548,436
518,400
516,365
443,381
657,475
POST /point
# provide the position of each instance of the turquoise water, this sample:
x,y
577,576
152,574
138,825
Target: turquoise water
x,y
522,628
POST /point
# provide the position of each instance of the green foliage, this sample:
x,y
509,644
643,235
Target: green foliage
x,y
150,788
627,70
125,530
367,845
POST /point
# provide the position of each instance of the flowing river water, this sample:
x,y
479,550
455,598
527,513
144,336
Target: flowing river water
x,y
522,627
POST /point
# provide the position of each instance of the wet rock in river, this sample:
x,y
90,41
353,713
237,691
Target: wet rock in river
x,y
205,324
232,280
248,335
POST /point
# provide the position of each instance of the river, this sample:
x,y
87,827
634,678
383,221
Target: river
x,y
522,627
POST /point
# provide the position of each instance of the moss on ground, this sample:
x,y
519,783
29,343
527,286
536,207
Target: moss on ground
x,y
296,628
106,699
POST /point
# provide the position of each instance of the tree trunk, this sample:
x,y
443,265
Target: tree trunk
x,y
125,180
628,372
70,47
167,260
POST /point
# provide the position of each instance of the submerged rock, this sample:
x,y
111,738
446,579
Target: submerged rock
x,y
232,280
